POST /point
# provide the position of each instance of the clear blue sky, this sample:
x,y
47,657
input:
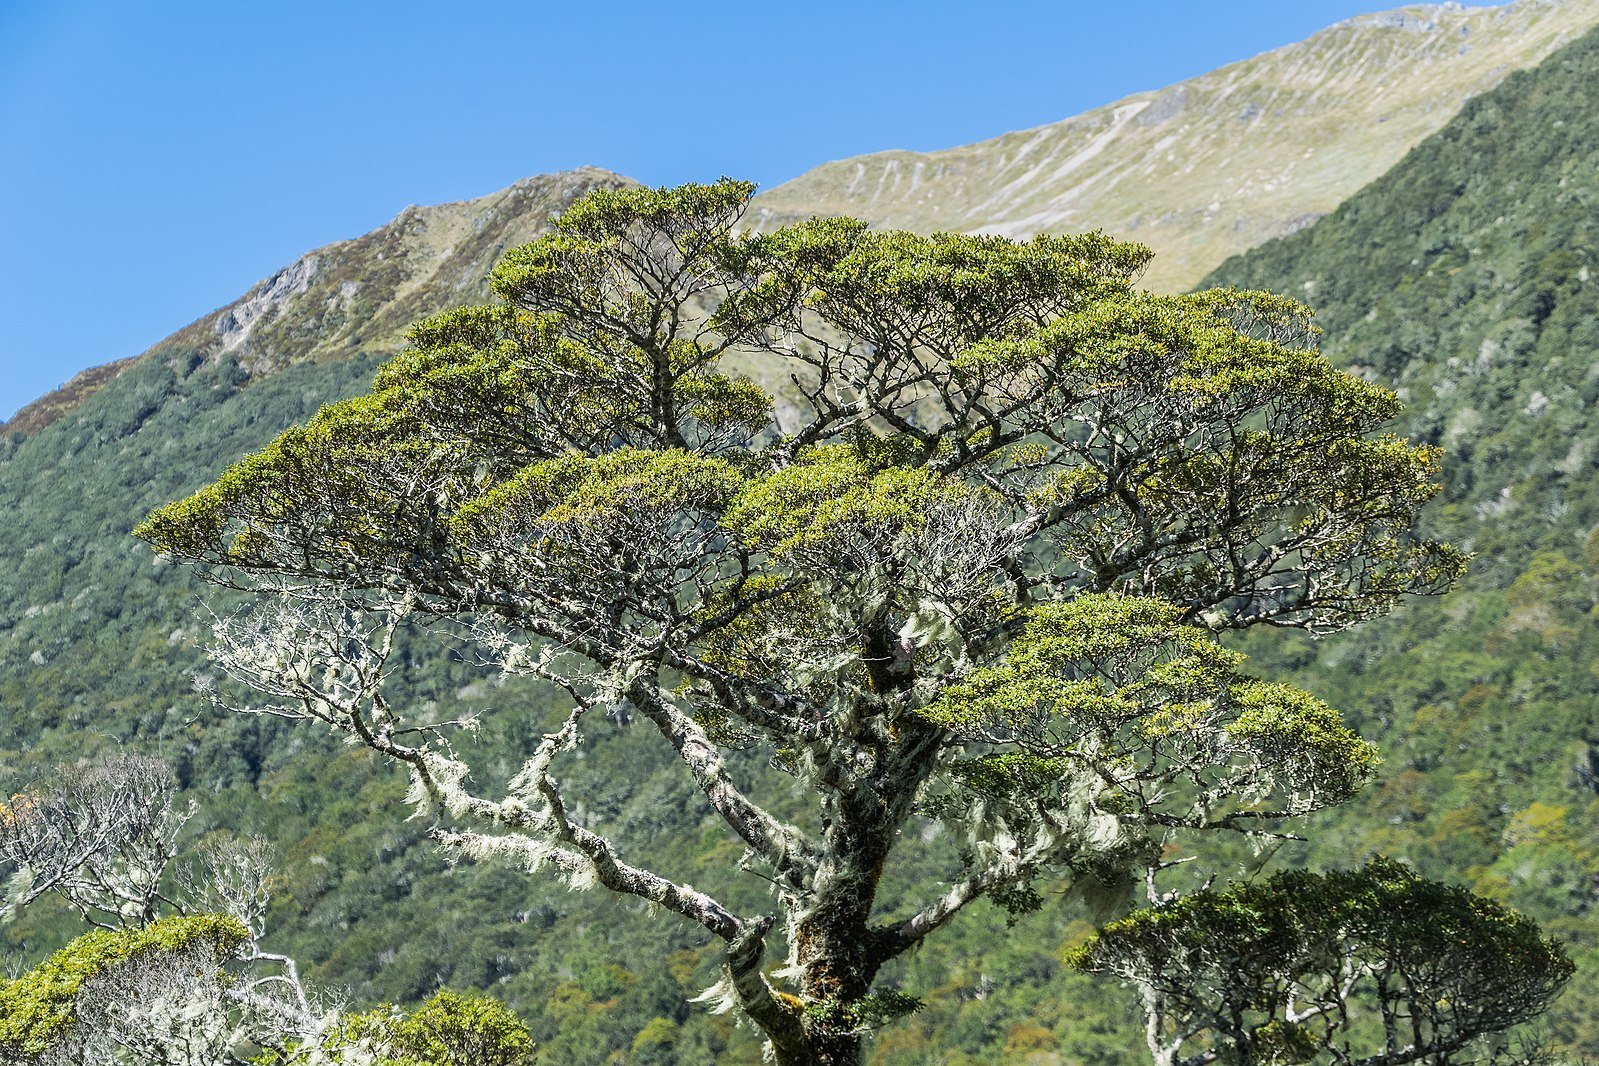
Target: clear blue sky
x,y
158,158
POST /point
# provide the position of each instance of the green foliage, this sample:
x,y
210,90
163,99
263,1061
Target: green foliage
x,y
1120,679
831,493
974,287
1344,954
1465,280
448,1030
613,487
39,1009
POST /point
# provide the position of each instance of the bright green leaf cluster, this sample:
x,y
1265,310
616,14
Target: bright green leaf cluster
x,y
832,490
333,458
38,1010
447,1030
573,489
1105,676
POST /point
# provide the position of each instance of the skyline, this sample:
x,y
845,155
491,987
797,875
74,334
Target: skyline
x,y
163,163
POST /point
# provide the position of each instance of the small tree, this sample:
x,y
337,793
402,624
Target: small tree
x,y
1371,967
160,983
100,835
142,994
963,568
447,1030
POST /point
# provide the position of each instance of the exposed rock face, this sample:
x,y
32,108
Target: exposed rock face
x,y
267,300
1216,165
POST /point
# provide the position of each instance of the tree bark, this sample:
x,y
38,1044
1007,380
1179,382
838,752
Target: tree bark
x,y
844,1049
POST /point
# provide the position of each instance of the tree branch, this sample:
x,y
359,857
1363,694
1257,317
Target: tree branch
x,y
784,846
897,939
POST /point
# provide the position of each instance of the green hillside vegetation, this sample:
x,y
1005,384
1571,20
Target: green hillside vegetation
x,y
1468,279
1461,278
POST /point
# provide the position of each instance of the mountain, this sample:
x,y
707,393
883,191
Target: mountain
x,y
1199,171
1215,165
356,296
1467,278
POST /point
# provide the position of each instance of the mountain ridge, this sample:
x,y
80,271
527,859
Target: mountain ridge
x,y
1292,133
347,297
332,323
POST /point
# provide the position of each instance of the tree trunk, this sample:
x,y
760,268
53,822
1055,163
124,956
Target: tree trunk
x,y
836,948
825,1050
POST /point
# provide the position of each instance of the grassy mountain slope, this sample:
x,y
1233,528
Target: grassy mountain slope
x,y
1468,278
1215,165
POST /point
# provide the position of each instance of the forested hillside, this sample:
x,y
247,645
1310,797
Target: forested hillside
x,y
1462,278
1468,279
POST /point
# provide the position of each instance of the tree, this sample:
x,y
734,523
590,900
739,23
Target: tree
x,y
193,986
104,837
1371,967
100,836
141,991
169,994
963,568
448,1030
177,975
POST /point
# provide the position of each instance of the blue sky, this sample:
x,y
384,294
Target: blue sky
x,y
156,159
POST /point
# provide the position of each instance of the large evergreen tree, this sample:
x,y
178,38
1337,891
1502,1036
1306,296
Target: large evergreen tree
x,y
963,572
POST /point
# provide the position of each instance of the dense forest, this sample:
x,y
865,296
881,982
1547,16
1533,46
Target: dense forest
x,y
1461,279
1465,279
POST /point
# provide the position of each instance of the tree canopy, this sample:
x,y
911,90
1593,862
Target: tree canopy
x,y
1375,967
945,527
